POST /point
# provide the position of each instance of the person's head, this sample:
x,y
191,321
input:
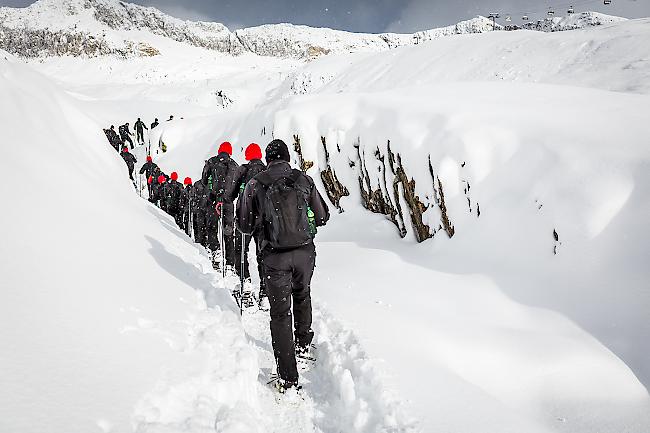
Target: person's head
x,y
277,150
149,158
225,147
156,119
174,175
112,126
138,119
253,151
127,123
187,181
125,149
161,179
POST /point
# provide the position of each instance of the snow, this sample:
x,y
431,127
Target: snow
x,y
114,315
573,21
98,28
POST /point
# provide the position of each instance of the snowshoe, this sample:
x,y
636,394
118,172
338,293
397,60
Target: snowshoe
x,y
306,353
282,386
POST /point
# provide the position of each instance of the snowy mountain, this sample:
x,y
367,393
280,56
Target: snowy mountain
x,y
573,22
112,27
484,269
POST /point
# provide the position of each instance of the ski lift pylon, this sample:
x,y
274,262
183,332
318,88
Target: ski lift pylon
x,y
550,12
571,10
607,2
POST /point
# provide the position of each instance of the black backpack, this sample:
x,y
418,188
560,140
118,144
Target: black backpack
x,y
219,172
284,211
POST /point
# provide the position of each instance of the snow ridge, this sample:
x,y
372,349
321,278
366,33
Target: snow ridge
x,y
573,22
94,28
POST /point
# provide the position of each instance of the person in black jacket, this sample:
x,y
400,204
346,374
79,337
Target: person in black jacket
x,y
219,174
148,169
201,205
129,159
155,123
126,134
173,191
113,138
159,191
185,205
246,172
139,130
288,269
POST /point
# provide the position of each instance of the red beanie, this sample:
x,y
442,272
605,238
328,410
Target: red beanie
x,y
125,149
161,179
187,181
150,180
174,175
226,147
149,159
253,151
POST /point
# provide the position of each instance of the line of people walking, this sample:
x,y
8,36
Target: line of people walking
x,y
277,207
119,139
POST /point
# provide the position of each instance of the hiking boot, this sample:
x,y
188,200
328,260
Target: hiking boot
x,y
284,385
263,303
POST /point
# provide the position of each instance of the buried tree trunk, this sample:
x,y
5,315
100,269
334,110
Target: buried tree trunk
x,y
416,207
334,188
304,165
440,201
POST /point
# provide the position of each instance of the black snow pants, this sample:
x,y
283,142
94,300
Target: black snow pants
x,y
214,237
238,252
288,277
140,136
211,229
199,226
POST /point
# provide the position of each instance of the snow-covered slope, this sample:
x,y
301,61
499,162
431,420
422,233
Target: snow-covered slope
x,y
102,300
610,58
100,27
111,27
573,21
540,184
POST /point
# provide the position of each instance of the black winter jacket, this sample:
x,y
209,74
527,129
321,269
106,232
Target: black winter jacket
x,y
139,125
149,168
201,198
250,204
224,188
129,159
173,190
247,172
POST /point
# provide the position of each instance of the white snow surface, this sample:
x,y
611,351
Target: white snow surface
x,y
114,321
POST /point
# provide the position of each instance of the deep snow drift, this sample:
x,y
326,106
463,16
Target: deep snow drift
x,y
488,330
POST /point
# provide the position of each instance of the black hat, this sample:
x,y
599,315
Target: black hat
x,y
277,150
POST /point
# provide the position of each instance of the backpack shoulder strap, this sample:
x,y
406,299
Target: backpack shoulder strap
x,y
295,175
264,179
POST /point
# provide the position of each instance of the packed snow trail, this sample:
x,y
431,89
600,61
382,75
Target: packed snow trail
x,y
342,391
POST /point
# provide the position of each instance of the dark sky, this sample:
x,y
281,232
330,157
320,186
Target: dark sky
x,y
372,16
